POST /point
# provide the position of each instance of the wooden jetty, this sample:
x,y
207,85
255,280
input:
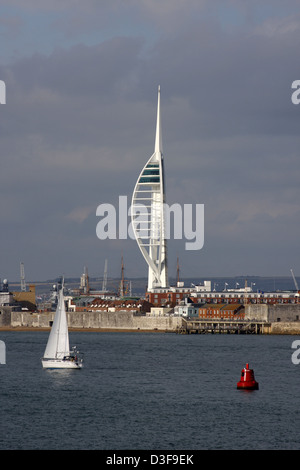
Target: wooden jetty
x,y
190,326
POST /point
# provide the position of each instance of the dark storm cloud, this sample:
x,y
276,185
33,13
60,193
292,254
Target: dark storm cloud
x,y
79,125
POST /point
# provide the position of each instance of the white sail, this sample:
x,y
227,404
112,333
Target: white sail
x,y
58,342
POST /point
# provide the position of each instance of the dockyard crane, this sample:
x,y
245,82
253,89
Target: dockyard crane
x,y
104,282
87,280
122,283
295,282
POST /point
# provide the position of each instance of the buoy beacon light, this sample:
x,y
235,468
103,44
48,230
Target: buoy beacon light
x,y
247,381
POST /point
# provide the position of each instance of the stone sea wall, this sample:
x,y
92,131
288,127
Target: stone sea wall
x,y
282,319
97,320
285,328
273,313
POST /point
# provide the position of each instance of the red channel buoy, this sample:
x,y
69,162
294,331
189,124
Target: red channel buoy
x,y
247,381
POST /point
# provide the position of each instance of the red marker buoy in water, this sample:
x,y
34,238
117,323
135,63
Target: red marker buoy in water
x,y
247,381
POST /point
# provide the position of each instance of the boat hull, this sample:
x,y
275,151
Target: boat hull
x,y
60,364
251,385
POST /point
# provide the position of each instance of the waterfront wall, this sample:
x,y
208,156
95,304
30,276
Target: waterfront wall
x,y
5,316
97,320
285,328
284,313
257,312
282,319
273,313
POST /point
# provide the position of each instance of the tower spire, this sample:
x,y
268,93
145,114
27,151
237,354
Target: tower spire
x,y
158,139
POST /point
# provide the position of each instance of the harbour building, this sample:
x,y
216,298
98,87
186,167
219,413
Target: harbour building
x,y
147,213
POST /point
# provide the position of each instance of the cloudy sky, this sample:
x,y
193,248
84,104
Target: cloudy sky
x,y
79,124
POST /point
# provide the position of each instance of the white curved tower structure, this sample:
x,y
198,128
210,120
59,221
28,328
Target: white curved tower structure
x,y
147,213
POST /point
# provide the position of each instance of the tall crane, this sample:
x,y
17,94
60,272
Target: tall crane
x,y
122,283
104,282
87,280
295,282
178,271
22,272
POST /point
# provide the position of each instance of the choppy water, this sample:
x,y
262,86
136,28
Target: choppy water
x,y
151,391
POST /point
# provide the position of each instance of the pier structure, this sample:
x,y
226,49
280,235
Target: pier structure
x,y
191,326
147,213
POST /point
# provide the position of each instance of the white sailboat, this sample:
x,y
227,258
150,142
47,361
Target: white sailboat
x,y
57,353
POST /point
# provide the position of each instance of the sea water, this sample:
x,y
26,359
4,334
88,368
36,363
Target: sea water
x,y
150,391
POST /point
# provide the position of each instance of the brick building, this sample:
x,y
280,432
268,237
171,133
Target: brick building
x,y
222,311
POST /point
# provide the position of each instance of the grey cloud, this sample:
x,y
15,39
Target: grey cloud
x,y
79,125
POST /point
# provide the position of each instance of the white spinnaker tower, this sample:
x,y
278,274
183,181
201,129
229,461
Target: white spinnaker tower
x,y
148,215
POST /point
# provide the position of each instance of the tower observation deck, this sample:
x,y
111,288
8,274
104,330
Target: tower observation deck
x,y
147,213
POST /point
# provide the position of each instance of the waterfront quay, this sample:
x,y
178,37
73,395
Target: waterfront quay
x,y
90,313
128,321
